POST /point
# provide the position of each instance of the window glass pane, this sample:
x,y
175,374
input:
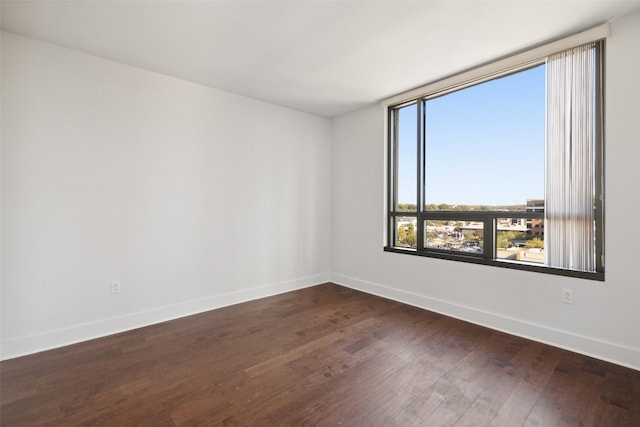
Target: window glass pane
x,y
484,145
458,236
407,157
406,232
520,239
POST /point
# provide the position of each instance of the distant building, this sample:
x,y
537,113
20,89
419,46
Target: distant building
x,y
535,227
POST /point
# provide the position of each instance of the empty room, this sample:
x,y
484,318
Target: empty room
x,y
287,213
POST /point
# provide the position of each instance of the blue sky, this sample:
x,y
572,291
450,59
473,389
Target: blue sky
x,y
485,144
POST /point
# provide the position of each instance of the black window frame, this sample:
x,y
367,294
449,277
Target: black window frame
x,y
489,219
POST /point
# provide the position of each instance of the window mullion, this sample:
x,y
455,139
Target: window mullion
x,y
420,176
489,238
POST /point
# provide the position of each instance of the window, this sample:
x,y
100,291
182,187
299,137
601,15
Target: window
x,y
505,168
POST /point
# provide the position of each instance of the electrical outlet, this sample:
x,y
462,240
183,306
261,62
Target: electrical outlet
x,y
567,296
114,288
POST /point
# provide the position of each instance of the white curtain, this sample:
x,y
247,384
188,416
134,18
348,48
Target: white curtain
x,y
569,182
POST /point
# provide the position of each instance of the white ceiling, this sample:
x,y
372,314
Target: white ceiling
x,y
321,57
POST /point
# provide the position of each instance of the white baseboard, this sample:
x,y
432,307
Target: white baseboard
x,y
607,351
48,340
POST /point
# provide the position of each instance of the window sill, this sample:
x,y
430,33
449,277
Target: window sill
x,y
599,276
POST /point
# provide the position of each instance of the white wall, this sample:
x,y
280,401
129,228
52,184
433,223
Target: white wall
x,y
192,197
604,319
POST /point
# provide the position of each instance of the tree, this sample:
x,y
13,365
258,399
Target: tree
x,y
410,239
402,233
503,241
535,243
406,207
407,235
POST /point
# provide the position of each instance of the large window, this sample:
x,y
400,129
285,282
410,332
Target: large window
x,y
504,169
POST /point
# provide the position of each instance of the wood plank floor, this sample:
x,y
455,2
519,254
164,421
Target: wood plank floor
x,y
326,356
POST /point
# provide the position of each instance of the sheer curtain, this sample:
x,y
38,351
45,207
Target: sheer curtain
x,y
569,183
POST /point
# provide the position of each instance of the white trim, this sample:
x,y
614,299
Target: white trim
x,y
589,346
24,345
503,65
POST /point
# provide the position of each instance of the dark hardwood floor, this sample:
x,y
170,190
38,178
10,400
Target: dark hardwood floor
x,y
325,355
